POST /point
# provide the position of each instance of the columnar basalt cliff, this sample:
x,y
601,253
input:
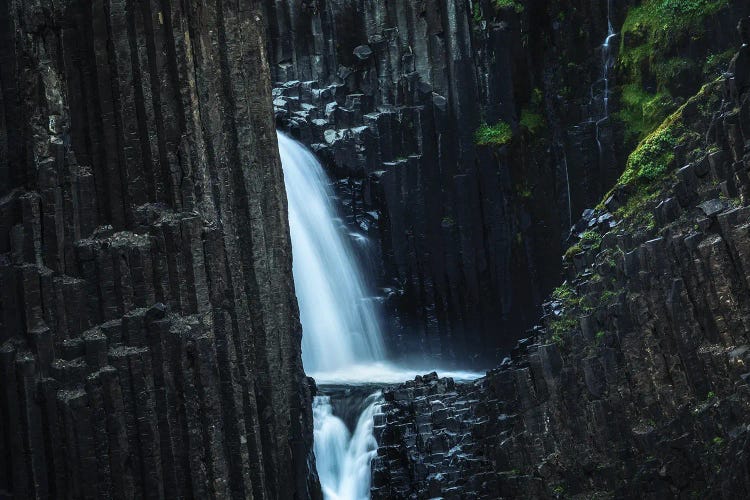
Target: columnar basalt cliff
x,y
636,385
149,332
468,136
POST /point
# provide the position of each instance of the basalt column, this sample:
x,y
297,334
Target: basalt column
x,y
149,332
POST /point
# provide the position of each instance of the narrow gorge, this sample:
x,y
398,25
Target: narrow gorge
x,y
387,249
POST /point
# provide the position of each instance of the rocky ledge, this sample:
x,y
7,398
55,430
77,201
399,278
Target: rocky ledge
x,y
636,383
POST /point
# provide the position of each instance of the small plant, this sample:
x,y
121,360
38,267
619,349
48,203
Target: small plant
x,y
533,122
608,296
493,135
563,293
600,335
592,238
509,4
477,13
717,441
573,251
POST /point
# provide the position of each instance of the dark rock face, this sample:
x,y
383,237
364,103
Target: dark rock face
x,y
149,332
390,94
644,394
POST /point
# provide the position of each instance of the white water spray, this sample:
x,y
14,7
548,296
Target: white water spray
x,y
344,459
342,341
340,325
339,321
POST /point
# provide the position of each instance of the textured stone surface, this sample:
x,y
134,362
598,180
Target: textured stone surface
x,y
636,386
149,332
470,236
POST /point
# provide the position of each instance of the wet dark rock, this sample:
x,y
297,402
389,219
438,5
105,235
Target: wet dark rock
x,y
363,52
149,334
636,383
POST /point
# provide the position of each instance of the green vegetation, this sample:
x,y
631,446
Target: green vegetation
x,y
508,4
651,164
592,239
563,293
573,251
493,135
476,11
567,321
654,79
717,441
533,122
523,191
653,157
653,28
608,297
642,111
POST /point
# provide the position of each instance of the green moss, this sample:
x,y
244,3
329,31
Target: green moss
x,y
476,12
533,122
652,33
608,297
650,166
573,251
509,4
493,135
592,239
563,325
653,157
563,293
523,191
642,111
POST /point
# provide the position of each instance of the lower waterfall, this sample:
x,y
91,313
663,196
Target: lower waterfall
x,y
343,457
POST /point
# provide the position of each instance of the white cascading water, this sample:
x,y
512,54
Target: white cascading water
x,y
340,325
344,458
342,342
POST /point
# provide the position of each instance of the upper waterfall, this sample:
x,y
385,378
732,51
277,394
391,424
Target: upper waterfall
x,y
341,327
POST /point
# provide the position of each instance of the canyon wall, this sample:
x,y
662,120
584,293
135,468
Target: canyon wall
x,y
467,137
636,383
149,332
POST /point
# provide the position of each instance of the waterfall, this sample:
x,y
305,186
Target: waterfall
x,y
340,325
339,321
341,342
344,458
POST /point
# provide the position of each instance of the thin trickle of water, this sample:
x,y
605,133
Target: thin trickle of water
x,y
343,458
339,321
607,62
